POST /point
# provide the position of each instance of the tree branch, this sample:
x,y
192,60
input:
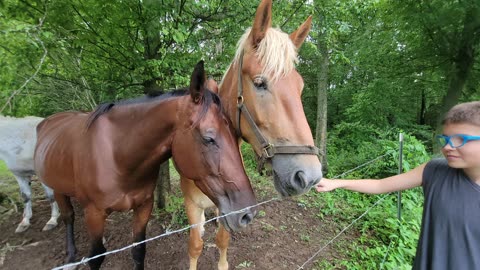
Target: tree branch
x,y
39,66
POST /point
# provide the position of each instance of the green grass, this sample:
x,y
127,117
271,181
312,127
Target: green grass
x,y
4,172
9,192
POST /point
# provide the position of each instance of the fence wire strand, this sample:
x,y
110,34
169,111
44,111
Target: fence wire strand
x,y
167,233
344,229
85,260
358,218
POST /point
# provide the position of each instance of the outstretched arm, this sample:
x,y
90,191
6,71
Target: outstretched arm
x,y
399,182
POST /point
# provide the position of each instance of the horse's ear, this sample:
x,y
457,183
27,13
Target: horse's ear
x,y
197,82
261,23
212,85
298,37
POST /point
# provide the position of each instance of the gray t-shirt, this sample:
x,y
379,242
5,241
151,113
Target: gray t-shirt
x,y
450,235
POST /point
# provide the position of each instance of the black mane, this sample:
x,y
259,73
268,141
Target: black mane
x,y
104,108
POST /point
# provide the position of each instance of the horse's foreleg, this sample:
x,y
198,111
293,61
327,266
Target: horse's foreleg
x,y
140,221
26,193
52,222
195,215
222,240
68,217
95,221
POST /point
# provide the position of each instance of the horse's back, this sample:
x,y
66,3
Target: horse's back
x,y
60,119
58,139
58,133
17,142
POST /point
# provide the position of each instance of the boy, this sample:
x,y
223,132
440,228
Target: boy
x,y
450,230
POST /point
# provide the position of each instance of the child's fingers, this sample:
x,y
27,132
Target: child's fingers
x,y
320,188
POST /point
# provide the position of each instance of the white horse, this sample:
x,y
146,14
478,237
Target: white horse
x,y
18,137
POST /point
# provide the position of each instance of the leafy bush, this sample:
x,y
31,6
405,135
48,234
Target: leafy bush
x,y
353,144
385,242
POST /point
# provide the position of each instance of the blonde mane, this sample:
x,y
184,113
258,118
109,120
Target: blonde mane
x,y
277,53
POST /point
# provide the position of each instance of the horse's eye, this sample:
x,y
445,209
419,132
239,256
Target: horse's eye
x,y
260,83
207,140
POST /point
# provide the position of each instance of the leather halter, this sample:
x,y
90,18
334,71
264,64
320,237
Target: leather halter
x,y
268,150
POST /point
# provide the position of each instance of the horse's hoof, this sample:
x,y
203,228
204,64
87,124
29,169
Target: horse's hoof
x,y
21,228
49,226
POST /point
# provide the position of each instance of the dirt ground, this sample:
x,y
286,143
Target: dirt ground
x,y
284,236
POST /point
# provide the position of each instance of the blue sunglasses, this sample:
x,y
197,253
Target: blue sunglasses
x,y
456,141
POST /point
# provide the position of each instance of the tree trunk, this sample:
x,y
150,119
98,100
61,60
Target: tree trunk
x,y
163,180
163,185
321,121
151,43
463,61
423,108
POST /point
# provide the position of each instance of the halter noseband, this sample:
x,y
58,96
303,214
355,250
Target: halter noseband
x,y
268,149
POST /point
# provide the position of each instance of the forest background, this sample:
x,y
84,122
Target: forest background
x,y
372,69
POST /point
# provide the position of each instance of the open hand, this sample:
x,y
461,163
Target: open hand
x,y
325,185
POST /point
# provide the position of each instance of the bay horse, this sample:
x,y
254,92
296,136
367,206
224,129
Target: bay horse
x,y
17,142
109,160
261,92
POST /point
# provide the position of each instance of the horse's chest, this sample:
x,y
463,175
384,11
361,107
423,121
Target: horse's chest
x,y
128,200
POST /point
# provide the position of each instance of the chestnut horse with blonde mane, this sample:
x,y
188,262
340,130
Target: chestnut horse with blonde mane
x,y
261,92
109,159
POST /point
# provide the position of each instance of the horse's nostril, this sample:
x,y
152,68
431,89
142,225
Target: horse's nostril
x,y
246,219
299,180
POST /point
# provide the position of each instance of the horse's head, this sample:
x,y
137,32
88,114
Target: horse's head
x,y
262,92
205,150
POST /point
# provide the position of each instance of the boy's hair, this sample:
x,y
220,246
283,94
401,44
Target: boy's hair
x,y
468,113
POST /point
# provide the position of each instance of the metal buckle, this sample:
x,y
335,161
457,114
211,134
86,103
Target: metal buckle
x,y
239,101
265,150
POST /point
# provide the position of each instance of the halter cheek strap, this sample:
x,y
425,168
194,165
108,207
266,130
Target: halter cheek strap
x,y
268,150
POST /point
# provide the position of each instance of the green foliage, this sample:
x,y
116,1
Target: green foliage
x,y
353,144
391,65
175,210
384,241
264,183
109,50
10,199
249,158
244,264
4,172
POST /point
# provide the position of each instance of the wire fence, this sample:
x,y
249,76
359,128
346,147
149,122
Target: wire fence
x,y
87,259
341,232
168,233
354,221
400,158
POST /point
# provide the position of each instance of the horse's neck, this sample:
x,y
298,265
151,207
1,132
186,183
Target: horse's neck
x,y
228,92
145,130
